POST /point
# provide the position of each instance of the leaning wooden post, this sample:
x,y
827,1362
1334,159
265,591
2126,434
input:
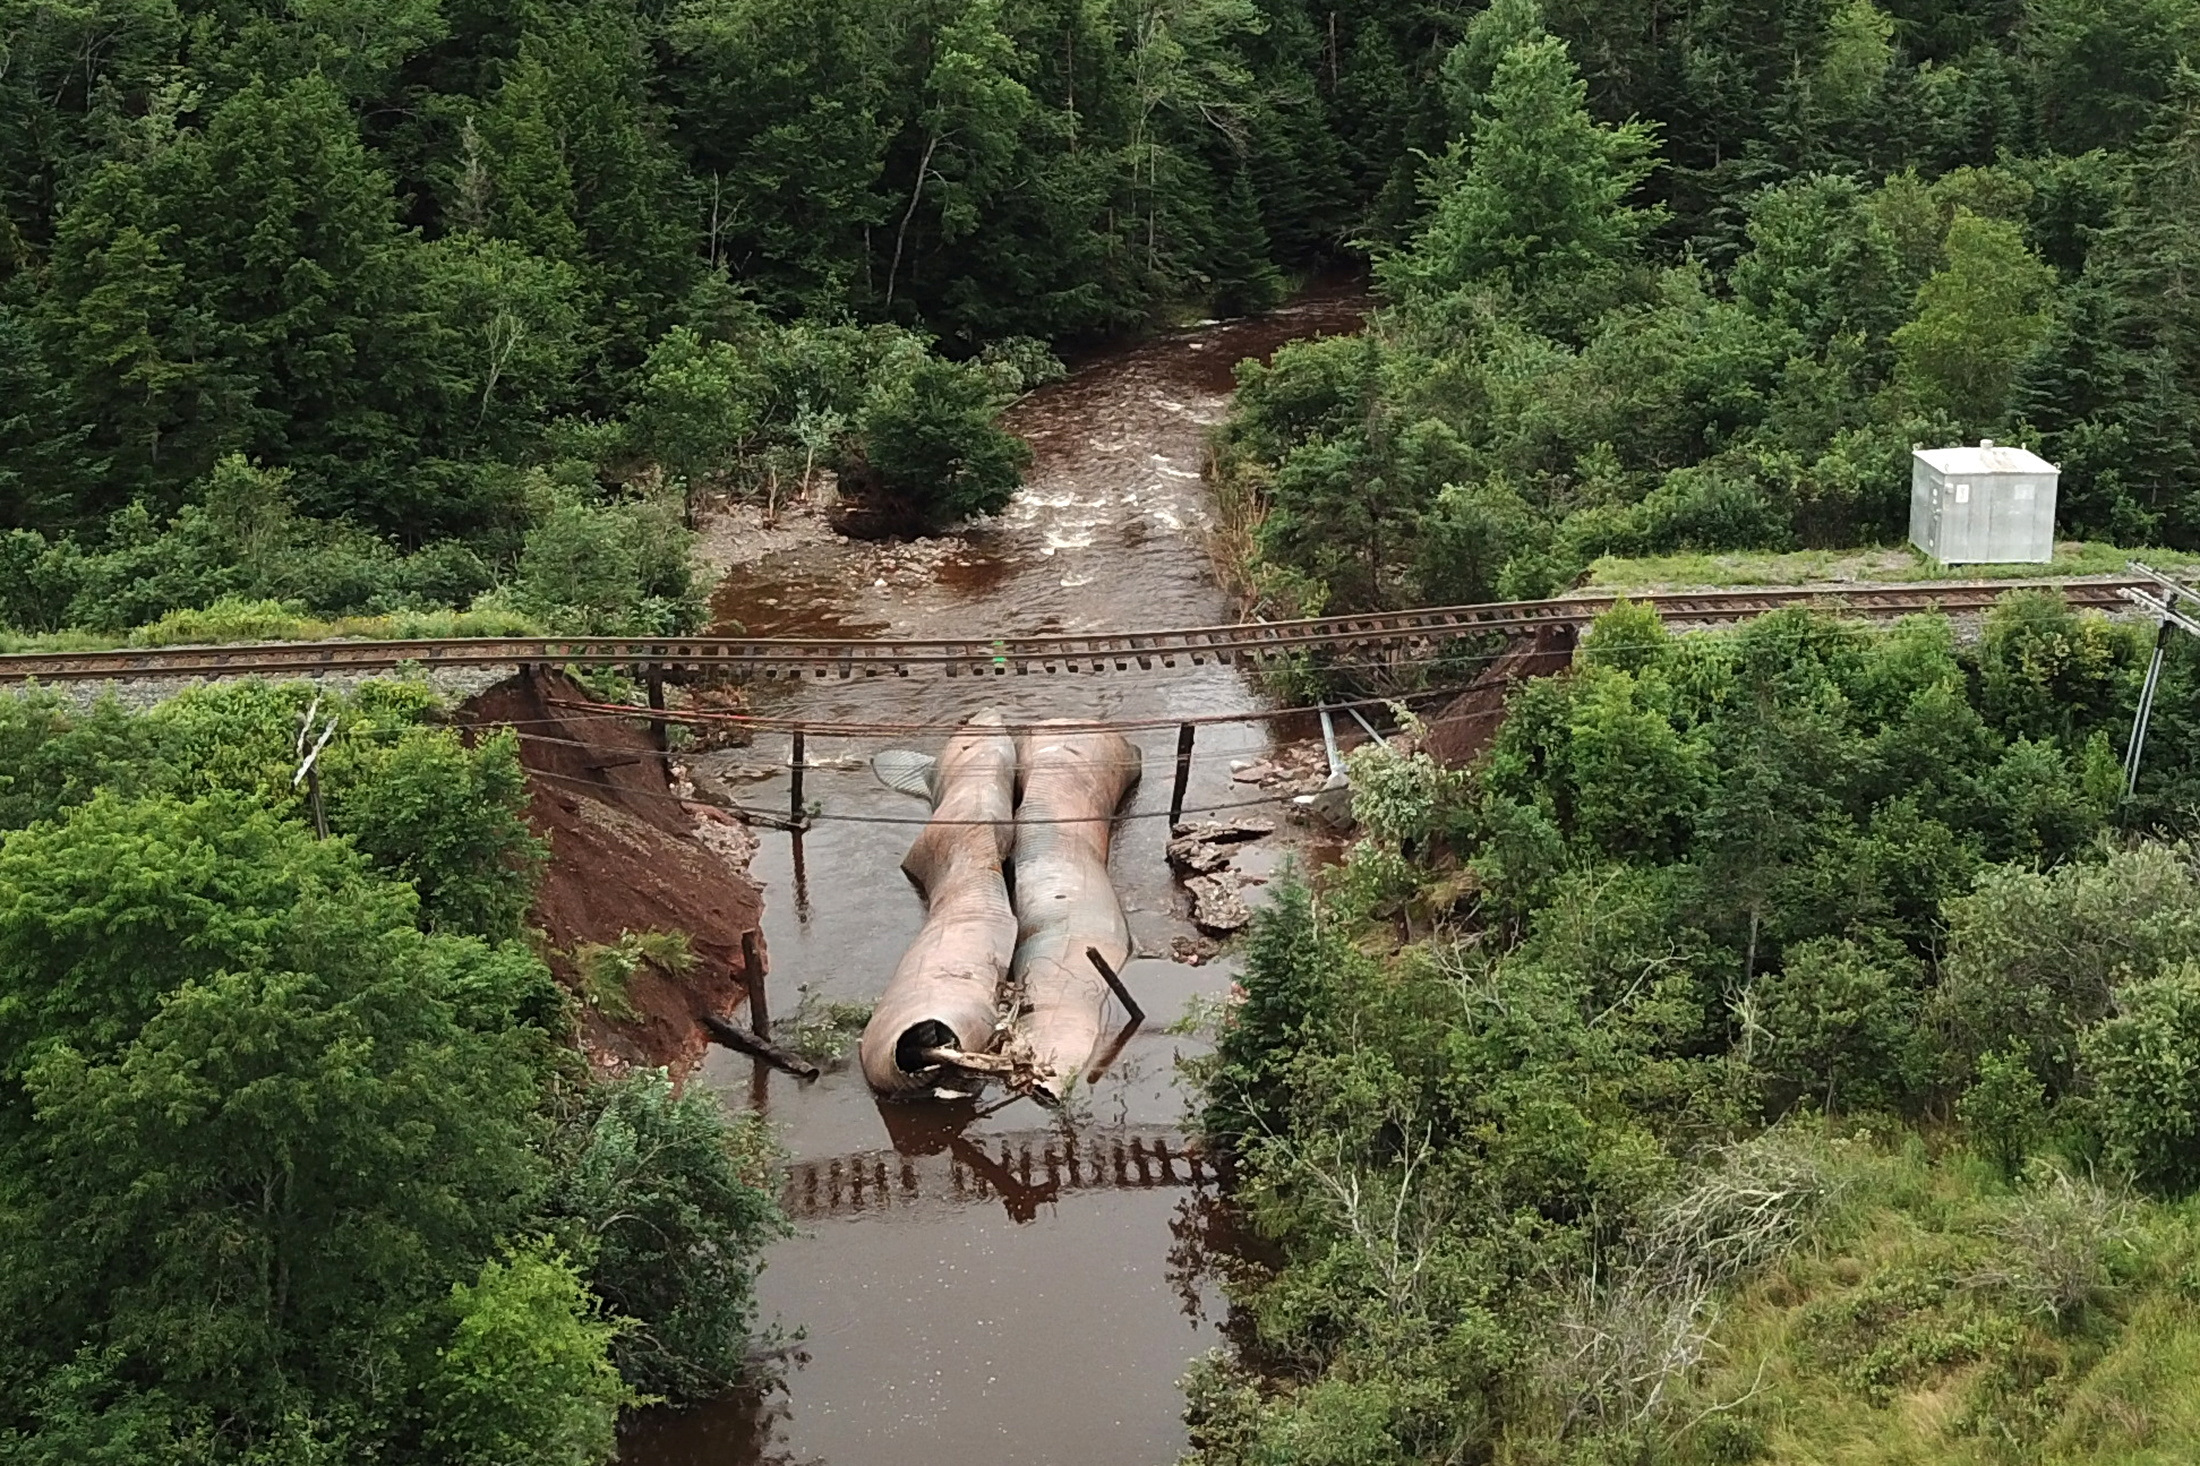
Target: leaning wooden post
x,y
1130,1004
752,973
1185,732
794,783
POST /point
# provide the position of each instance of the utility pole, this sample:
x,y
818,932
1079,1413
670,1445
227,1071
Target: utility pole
x,y
2168,617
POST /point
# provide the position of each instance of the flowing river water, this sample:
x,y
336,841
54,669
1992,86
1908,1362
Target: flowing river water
x,y
1016,1287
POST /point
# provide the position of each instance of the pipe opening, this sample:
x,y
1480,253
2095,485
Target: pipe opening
x,y
918,1039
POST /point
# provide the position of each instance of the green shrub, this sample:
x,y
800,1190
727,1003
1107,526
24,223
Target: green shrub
x,y
2144,1064
2035,956
226,619
931,436
449,818
2005,1111
671,1203
608,569
525,1376
1842,1019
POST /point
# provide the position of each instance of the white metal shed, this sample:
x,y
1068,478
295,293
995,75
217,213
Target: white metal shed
x,y
1983,505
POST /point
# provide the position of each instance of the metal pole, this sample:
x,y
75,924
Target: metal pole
x,y
794,783
657,724
1185,732
2145,711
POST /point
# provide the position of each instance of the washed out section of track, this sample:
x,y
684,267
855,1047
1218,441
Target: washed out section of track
x,y
994,1288
1377,636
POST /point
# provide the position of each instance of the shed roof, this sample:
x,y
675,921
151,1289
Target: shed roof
x,y
1987,457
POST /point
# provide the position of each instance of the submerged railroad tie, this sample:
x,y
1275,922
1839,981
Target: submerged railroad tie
x,y
943,992
1414,632
1034,1166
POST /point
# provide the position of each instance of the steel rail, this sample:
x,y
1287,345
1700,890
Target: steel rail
x,y
1257,642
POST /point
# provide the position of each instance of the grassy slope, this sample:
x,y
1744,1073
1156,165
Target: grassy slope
x,y
235,622
1890,1343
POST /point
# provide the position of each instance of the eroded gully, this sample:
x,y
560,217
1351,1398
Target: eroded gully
x,y
1016,1288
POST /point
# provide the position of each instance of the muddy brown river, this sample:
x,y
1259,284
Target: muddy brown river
x,y
996,1285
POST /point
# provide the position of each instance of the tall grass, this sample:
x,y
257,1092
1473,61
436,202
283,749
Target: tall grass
x,y
230,621
1914,1331
1893,564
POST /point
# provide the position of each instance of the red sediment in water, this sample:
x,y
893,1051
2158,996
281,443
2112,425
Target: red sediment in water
x,y
625,857
1108,534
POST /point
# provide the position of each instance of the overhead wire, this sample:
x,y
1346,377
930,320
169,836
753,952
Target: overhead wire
x,y
1234,750
769,723
830,817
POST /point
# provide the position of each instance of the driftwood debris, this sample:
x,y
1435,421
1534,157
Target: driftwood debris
x,y
955,1058
734,1036
1115,985
709,791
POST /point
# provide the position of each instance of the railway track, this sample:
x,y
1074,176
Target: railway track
x,y
1022,1172
1422,631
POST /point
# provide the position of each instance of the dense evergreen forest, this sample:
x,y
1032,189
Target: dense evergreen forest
x,y
338,309
1665,278
387,308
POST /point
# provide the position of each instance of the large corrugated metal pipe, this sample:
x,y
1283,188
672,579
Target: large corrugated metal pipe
x,y
943,994
1070,786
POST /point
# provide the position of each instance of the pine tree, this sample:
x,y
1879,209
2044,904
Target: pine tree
x,y
779,104
2144,262
1245,279
579,169
1537,202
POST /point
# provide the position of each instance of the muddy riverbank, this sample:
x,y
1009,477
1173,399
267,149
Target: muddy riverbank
x,y
1014,1286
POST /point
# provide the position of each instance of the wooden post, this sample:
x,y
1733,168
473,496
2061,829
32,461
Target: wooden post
x,y
752,973
1130,1004
658,726
801,877
1185,732
794,781
313,791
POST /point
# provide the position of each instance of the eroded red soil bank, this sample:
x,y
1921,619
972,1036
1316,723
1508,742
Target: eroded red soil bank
x,y
628,855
